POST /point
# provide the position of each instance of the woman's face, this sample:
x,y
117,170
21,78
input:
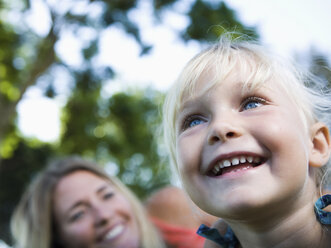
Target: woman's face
x,y
91,213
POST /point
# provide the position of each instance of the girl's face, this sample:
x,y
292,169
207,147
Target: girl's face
x,y
239,153
91,213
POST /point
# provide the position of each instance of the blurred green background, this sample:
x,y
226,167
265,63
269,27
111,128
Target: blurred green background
x,y
119,130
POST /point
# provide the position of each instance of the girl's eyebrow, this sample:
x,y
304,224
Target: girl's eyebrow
x,y
190,102
185,105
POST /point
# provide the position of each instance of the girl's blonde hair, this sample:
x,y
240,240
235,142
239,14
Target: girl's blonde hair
x,y
33,224
229,56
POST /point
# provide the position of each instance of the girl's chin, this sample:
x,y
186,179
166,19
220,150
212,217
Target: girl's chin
x,y
239,206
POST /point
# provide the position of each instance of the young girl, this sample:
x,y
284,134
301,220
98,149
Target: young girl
x,y
74,203
251,144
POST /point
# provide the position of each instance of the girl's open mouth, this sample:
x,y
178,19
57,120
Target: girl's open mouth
x,y
234,164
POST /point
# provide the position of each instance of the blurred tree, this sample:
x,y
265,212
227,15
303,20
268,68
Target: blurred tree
x,y
25,57
117,130
210,19
19,67
28,158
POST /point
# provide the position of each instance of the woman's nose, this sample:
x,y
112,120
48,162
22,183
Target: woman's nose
x,y
224,129
102,215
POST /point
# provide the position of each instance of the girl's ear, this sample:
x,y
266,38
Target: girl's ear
x,y
321,145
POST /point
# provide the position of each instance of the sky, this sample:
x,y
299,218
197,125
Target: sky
x,y
289,27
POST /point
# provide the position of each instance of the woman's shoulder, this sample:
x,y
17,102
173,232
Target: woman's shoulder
x,y
171,205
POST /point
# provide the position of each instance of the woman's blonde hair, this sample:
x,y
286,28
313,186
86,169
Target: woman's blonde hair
x,y
229,56
33,224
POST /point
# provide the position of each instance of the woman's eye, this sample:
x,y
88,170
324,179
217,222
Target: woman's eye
x,y
192,121
108,195
253,102
76,216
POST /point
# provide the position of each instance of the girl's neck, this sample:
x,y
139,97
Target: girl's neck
x,y
298,229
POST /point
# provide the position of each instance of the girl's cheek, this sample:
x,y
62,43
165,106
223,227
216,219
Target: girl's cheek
x,y
185,158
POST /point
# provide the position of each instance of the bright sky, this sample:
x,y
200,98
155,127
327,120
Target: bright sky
x,y
288,26
3,245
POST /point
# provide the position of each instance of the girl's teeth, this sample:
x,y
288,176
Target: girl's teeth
x,y
244,168
257,160
226,163
235,161
216,169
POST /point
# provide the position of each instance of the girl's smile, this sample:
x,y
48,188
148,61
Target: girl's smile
x,y
233,163
242,148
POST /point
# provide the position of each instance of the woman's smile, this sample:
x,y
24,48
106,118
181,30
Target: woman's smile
x,y
92,213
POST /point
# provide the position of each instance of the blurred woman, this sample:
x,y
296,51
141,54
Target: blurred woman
x,y
75,204
177,217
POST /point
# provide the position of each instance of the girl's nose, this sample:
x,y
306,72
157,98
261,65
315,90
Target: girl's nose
x,y
224,129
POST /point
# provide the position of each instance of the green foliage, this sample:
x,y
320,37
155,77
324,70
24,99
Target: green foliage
x,y
15,174
119,129
159,4
123,5
9,145
210,19
137,119
9,91
9,42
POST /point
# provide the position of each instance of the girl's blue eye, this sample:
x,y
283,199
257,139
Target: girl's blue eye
x,y
195,122
192,121
251,105
253,102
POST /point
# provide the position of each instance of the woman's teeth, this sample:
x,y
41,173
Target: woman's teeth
x,y
114,232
